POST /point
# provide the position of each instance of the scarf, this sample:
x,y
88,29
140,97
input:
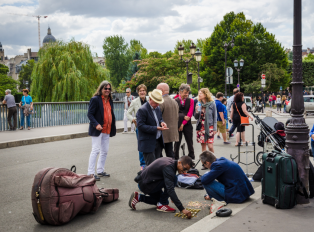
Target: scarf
x,y
206,125
182,101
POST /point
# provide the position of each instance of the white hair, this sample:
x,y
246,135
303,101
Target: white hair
x,y
128,89
8,91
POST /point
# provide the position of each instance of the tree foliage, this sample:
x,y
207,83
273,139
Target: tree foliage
x,y
25,74
309,57
251,42
66,72
6,82
118,57
307,72
133,65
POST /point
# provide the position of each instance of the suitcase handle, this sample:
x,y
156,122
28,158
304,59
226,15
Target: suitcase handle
x,y
73,169
277,176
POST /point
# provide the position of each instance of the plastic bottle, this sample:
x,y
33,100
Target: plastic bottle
x,y
199,106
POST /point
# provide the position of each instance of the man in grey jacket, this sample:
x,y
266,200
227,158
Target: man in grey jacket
x,y
11,105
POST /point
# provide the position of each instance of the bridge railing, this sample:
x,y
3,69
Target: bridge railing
x,y
47,114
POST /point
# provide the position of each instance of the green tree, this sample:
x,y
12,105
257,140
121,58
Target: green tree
x,y
6,82
309,57
117,57
25,74
144,53
185,43
154,55
290,55
133,65
168,54
251,42
66,72
200,44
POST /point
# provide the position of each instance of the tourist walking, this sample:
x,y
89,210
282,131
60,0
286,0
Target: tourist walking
x,y
265,100
270,99
186,107
284,99
170,115
224,103
274,99
239,110
127,102
10,101
206,115
150,126
131,114
102,126
26,106
221,121
278,103
229,104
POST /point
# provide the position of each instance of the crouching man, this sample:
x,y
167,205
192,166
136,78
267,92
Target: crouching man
x,y
161,174
233,185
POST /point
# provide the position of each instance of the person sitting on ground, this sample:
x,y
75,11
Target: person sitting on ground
x,y
225,181
161,174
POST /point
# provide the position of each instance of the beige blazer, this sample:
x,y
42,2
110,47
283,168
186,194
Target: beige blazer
x,y
135,105
170,115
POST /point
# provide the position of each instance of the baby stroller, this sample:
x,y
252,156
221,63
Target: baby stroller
x,y
268,138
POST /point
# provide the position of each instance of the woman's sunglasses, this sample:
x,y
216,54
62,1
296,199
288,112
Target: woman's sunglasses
x,y
107,88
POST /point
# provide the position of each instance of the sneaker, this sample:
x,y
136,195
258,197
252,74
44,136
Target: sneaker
x,y
103,174
226,142
97,178
165,209
132,132
134,199
216,205
232,135
218,137
124,132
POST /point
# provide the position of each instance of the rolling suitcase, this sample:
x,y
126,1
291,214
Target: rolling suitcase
x,y
279,180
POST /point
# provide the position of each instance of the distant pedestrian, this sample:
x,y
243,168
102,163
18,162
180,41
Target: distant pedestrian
x,y
284,99
127,102
221,122
26,106
150,125
131,114
206,114
102,126
186,107
239,109
224,103
270,99
274,99
170,114
278,102
10,101
265,99
229,105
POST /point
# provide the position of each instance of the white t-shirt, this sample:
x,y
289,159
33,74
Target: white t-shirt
x,y
278,100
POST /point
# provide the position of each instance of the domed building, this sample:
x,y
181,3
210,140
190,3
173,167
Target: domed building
x,y
49,38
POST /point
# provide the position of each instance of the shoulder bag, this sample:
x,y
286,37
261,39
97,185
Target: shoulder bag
x,y
244,120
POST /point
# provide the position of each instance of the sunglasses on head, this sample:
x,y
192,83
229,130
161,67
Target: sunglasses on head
x,y
107,88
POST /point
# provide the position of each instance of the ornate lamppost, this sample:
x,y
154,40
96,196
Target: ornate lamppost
x,y
192,51
198,58
226,45
297,140
236,65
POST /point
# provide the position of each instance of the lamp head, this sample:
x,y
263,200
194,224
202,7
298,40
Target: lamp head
x,y
198,55
235,63
192,49
181,50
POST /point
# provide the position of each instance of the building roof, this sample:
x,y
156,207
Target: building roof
x,y
49,37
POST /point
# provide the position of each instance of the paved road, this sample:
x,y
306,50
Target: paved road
x,y
20,164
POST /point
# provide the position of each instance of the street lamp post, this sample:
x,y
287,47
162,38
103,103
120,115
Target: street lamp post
x,y
226,45
236,65
297,140
181,52
198,58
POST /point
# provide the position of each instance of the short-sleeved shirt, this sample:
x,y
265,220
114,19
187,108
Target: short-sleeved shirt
x,y
26,100
220,108
225,112
10,100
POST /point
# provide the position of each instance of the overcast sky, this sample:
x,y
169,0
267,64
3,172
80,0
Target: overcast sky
x,y
158,24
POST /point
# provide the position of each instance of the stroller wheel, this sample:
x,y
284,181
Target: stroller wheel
x,y
259,157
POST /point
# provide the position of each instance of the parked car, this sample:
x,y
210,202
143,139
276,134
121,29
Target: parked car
x,y
308,104
248,102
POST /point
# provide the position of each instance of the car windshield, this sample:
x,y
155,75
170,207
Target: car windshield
x,y
247,99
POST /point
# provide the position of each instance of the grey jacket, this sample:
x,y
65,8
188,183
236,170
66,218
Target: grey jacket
x,y
211,116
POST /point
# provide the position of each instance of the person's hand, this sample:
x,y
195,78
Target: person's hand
x,y
163,124
251,118
215,132
99,127
223,122
134,121
196,108
31,108
162,128
312,136
187,118
187,213
20,105
181,127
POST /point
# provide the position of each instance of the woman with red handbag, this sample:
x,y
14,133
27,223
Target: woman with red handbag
x,y
239,115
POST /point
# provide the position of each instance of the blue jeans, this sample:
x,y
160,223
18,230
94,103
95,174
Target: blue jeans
x,y
215,190
312,146
141,156
284,107
232,129
28,119
157,195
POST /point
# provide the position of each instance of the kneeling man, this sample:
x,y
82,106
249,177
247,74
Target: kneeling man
x,y
161,174
233,185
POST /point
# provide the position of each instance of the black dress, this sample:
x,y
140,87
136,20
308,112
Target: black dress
x,y
236,117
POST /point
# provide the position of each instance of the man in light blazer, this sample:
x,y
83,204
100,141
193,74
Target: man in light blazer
x,y
170,115
150,126
133,108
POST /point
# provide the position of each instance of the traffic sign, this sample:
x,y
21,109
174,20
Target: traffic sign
x,y
238,85
263,76
263,81
229,72
229,80
280,87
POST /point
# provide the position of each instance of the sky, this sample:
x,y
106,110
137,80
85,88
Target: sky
x,y
158,24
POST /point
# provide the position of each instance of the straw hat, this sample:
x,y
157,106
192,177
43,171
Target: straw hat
x,y
156,96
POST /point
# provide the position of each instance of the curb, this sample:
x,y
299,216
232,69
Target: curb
x,y
210,222
53,138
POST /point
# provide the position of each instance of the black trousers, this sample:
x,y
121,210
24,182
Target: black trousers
x,y
151,156
169,150
188,135
12,113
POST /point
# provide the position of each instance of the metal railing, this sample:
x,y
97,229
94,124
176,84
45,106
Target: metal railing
x,y
47,114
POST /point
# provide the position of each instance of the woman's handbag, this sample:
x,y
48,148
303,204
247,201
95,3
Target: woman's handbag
x,y
244,120
199,123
